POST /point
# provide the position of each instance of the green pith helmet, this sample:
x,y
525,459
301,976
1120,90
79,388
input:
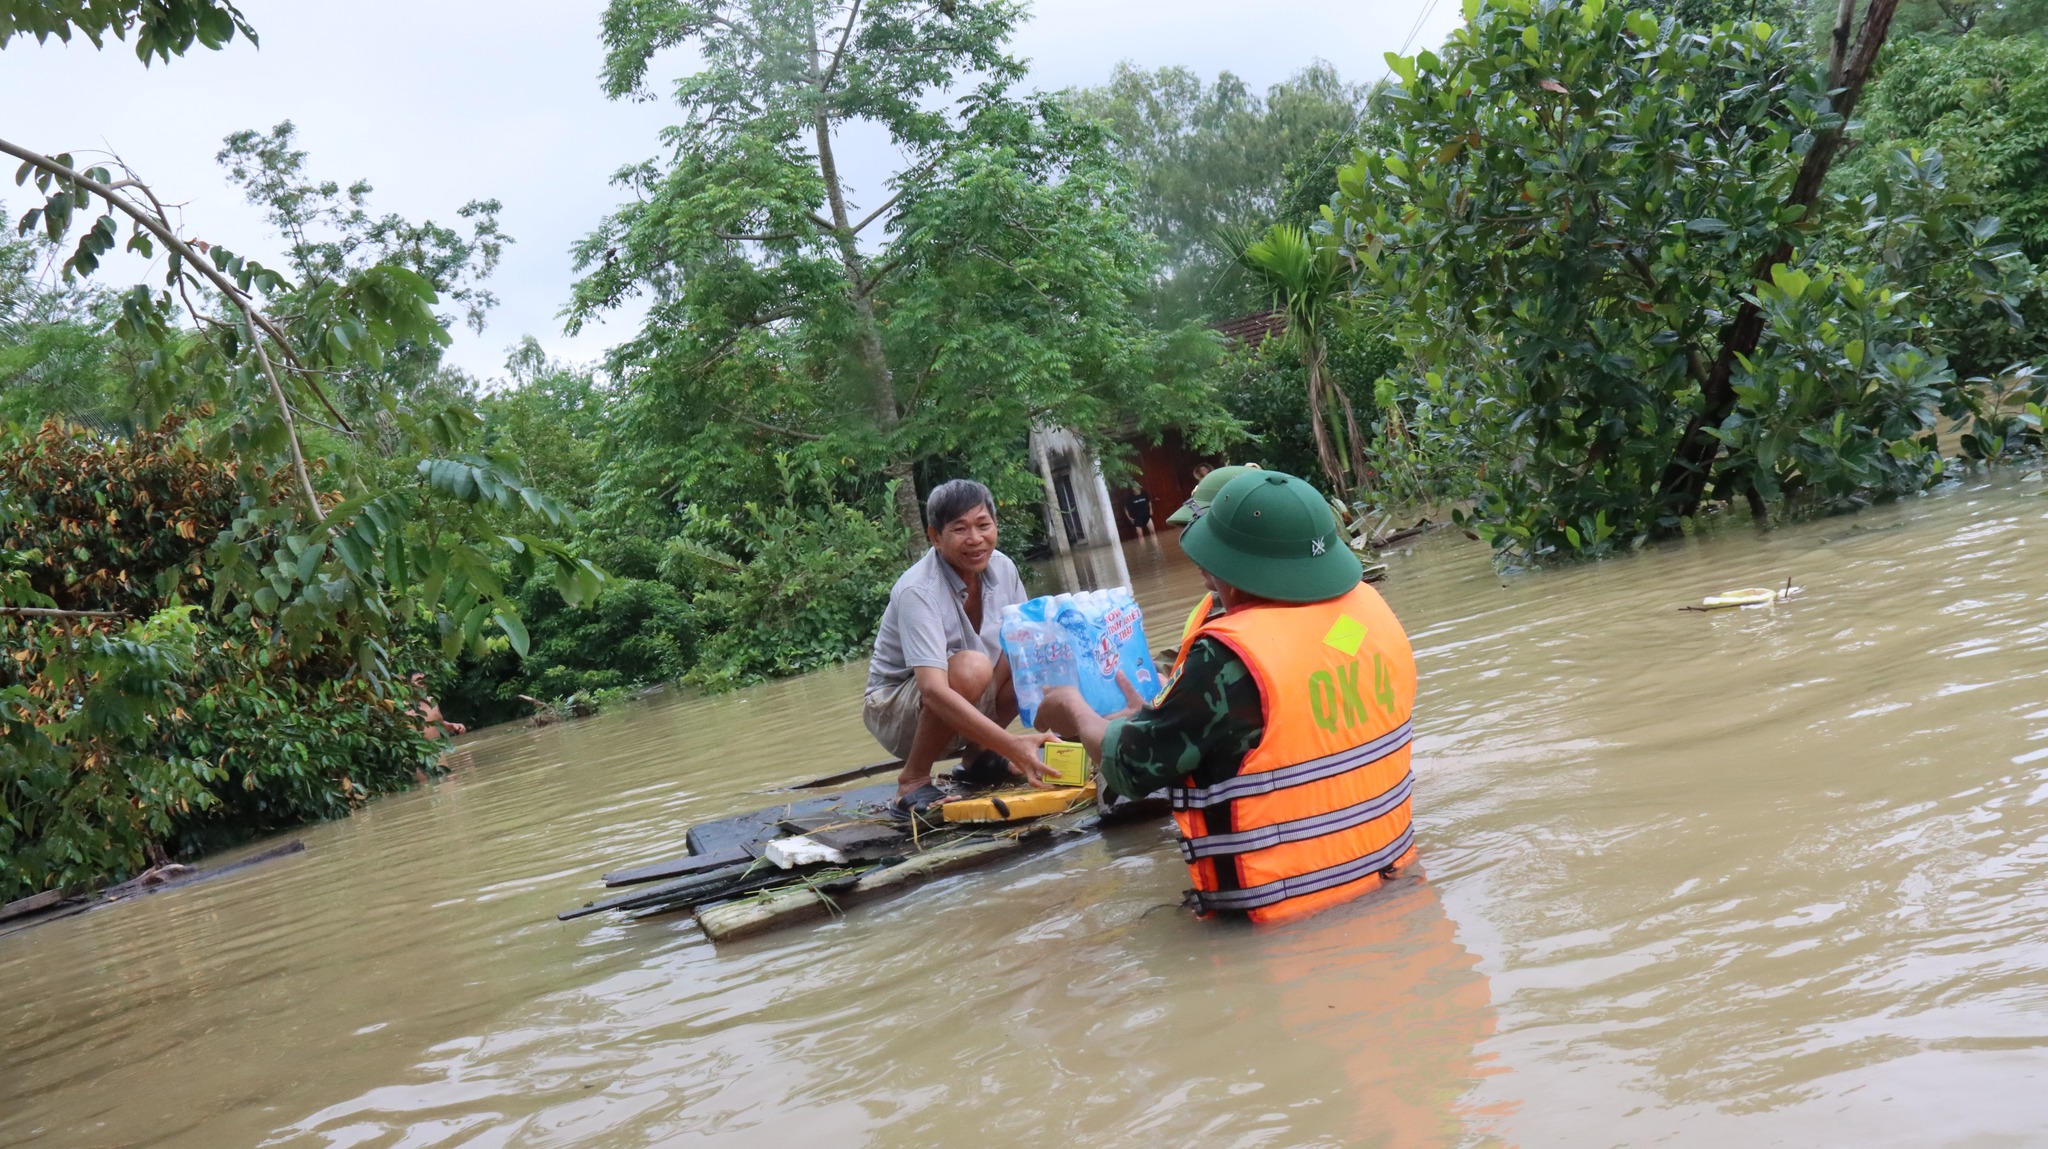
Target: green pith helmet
x,y
1273,536
1205,493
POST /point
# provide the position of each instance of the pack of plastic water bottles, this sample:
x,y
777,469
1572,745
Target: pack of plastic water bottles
x,y
1080,640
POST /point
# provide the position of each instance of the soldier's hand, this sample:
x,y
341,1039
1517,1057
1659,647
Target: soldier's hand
x,y
1133,701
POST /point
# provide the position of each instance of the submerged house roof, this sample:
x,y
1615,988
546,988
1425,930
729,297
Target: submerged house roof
x,y
1252,329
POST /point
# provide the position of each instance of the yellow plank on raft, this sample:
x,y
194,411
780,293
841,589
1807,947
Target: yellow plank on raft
x,y
1017,805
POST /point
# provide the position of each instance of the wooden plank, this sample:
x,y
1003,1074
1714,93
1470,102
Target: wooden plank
x,y
729,921
793,905
31,904
675,868
766,878
710,885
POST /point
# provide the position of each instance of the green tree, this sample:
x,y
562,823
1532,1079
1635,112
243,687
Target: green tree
x,y
992,288
162,28
554,415
1587,229
1308,279
1971,101
1977,101
57,352
330,556
1980,17
1210,155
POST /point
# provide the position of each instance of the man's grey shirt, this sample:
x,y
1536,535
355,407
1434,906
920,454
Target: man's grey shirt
x,y
926,621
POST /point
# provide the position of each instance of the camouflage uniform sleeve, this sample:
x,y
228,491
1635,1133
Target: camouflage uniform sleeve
x,y
1202,729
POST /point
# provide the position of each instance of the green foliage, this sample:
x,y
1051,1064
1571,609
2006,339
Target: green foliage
x,y
1210,155
196,726
783,589
554,416
802,366
332,504
332,234
56,354
162,28
1978,18
1411,456
1566,221
419,538
1306,274
1975,101
81,798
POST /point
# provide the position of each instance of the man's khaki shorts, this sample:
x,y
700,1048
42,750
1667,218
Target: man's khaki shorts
x,y
892,712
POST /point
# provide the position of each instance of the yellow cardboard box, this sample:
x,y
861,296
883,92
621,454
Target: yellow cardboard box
x,y
1069,761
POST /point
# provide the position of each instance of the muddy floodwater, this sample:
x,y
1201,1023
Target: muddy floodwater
x,y
1759,877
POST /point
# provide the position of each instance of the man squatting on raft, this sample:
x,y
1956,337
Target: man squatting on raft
x,y
1283,739
938,683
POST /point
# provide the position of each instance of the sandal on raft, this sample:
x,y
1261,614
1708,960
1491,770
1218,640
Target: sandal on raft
x,y
921,804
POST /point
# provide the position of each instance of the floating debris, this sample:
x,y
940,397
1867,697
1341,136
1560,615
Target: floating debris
x,y
1744,598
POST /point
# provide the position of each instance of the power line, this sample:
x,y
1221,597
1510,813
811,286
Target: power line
x,y
1421,18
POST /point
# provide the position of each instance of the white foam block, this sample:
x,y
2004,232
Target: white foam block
x,y
800,851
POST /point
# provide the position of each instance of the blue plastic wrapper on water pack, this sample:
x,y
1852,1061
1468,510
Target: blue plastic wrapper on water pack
x,y
1078,640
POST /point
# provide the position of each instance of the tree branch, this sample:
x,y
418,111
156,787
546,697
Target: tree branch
x,y
877,213
874,278
838,54
159,227
49,612
291,425
1838,42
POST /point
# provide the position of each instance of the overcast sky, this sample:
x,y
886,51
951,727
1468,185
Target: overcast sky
x,y
437,102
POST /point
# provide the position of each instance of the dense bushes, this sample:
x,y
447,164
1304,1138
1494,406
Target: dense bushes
x,y
170,721
1569,288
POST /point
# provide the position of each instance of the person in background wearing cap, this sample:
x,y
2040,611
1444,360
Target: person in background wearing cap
x,y
1197,502
1283,743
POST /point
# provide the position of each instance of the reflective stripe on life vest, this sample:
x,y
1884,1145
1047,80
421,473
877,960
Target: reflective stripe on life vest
x,y
1300,829
1267,781
1274,893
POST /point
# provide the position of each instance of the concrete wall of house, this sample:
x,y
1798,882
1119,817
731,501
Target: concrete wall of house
x,y
1078,511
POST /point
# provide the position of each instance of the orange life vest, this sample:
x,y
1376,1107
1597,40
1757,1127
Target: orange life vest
x,y
1319,807
1188,631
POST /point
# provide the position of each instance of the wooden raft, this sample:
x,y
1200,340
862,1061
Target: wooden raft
x,y
735,892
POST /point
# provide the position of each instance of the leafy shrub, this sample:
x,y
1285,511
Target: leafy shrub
x,y
783,589
127,741
81,797
1567,281
640,631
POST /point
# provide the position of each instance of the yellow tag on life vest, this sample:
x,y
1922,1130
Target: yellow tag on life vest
x,y
1346,634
